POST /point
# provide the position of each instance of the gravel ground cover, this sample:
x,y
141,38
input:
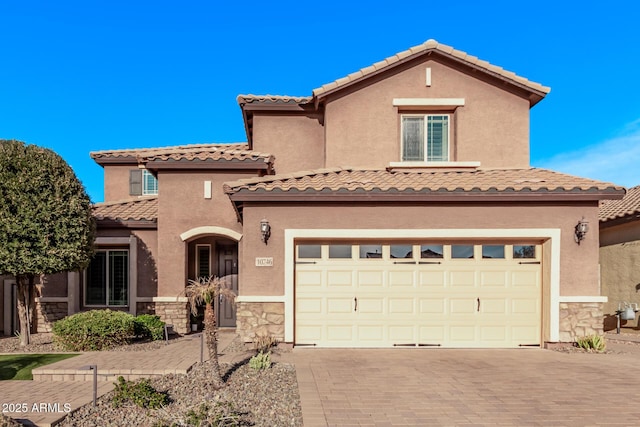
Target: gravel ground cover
x,y
250,398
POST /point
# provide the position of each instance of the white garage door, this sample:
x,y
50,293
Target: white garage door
x,y
432,294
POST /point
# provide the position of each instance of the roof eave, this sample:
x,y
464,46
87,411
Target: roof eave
x,y
244,195
126,223
262,164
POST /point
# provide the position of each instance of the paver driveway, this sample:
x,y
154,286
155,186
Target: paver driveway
x,y
423,387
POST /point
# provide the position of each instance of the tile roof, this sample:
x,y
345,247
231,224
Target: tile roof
x,y
273,99
229,152
629,205
440,182
430,45
145,209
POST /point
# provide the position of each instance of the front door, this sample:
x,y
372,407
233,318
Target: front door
x,y
227,266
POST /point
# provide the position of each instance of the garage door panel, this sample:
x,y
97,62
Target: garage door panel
x,y
340,333
371,305
462,306
368,279
339,305
371,333
494,333
309,306
339,278
381,303
401,306
309,279
431,279
466,279
525,306
401,334
401,279
431,334
525,279
493,279
493,306
432,306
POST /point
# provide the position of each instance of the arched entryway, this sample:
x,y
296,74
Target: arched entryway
x,y
213,251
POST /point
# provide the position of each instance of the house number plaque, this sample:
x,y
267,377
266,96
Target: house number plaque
x,y
264,262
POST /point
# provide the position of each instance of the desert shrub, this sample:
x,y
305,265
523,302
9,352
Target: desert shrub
x,y
262,343
139,392
94,330
592,343
260,361
149,326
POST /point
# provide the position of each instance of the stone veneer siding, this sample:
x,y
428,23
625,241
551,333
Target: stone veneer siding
x,y
259,318
579,319
174,313
47,313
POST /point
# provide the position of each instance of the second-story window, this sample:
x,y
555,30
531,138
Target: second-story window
x,y
425,138
149,183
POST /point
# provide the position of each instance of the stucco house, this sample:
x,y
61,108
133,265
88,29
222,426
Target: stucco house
x,y
393,207
620,254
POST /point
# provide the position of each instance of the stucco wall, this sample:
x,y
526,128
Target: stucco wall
x,y
297,142
620,265
579,263
147,267
181,207
116,182
363,127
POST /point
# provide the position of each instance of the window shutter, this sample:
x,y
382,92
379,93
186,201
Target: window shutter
x,y
135,182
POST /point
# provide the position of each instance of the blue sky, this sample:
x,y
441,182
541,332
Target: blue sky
x,y
80,76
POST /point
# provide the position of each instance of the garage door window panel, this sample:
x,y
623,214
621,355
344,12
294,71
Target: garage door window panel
x,y
370,251
309,251
462,252
524,251
432,251
401,251
493,252
340,251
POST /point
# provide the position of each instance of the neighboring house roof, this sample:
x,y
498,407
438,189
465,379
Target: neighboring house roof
x,y
627,208
176,156
347,183
143,211
426,48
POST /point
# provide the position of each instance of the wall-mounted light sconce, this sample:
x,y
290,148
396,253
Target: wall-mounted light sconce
x,y
265,229
581,230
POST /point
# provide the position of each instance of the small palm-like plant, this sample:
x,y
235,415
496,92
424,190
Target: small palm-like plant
x,y
205,290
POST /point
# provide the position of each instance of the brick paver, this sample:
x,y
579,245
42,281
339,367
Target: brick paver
x,y
438,387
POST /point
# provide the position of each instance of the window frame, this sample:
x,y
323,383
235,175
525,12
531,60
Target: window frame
x,y
425,142
197,266
107,280
146,191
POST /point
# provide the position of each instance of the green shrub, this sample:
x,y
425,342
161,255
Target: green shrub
x,y
592,343
139,392
149,326
260,361
94,330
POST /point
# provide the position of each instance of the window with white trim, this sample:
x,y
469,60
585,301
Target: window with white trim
x,y
149,183
425,137
107,279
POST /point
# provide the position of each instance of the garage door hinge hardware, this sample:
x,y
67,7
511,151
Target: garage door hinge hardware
x,y
405,345
305,262
429,345
305,345
529,262
529,345
404,262
429,262
355,304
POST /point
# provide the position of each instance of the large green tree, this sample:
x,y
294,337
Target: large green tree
x,y
46,225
